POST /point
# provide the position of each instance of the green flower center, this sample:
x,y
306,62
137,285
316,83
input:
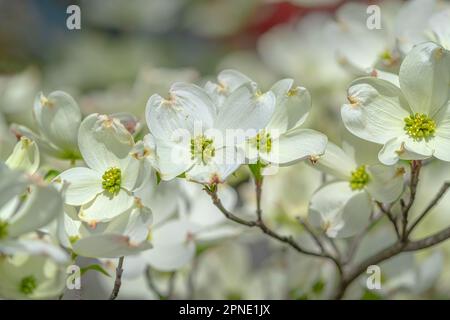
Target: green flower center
x,y
112,179
359,178
28,285
263,142
3,229
419,126
202,149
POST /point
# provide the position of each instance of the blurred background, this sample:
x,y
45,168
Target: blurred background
x,y
128,50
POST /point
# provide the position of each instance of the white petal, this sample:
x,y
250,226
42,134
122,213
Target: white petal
x,y
188,106
376,112
336,162
42,205
159,197
355,44
132,173
440,28
339,211
292,107
442,135
396,149
442,148
106,207
411,22
211,173
386,182
25,156
83,185
135,224
12,183
172,246
246,109
34,247
203,212
232,79
108,246
425,78
104,142
423,148
296,145
58,117
44,146
173,159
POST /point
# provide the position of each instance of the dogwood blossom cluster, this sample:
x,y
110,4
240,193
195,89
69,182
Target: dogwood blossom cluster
x,y
159,191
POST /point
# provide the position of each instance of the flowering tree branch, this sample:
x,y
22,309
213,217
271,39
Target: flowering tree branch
x,y
259,223
118,281
348,272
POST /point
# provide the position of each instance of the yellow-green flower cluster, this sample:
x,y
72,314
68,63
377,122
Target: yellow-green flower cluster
x,y
112,180
28,285
359,178
419,126
202,148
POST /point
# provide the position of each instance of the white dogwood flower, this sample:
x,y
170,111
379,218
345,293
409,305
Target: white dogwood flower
x,y
33,275
190,129
198,222
126,234
25,156
58,118
283,141
105,188
342,207
420,21
25,206
411,122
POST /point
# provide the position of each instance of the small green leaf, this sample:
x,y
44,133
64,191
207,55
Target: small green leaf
x,y
51,174
182,176
95,267
256,170
158,178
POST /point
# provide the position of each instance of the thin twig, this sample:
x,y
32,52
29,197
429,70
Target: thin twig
x,y
118,281
258,191
264,228
387,212
171,285
311,233
406,207
430,206
334,246
151,284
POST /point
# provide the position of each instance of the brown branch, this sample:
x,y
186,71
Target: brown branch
x,y
430,206
271,233
389,252
151,284
118,281
258,191
311,233
429,241
388,213
416,165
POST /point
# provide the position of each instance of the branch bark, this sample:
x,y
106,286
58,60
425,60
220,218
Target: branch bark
x,y
118,281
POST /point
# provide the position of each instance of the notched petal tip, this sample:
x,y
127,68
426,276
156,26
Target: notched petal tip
x,y
354,102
